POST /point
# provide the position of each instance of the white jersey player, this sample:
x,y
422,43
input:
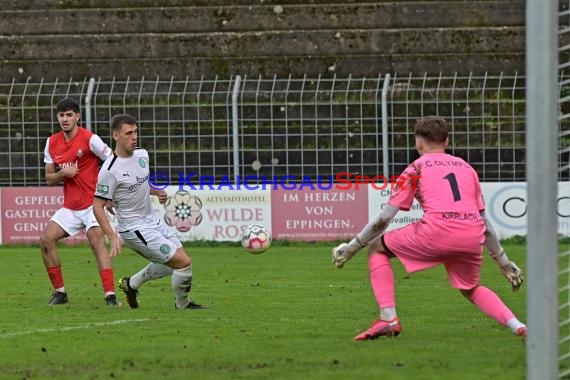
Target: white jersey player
x,y
123,178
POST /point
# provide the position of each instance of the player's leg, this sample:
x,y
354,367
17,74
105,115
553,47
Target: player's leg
x,y
382,282
160,246
412,247
50,236
138,241
105,263
151,272
491,304
130,285
181,264
182,279
464,274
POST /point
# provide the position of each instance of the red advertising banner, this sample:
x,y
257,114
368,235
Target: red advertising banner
x,y
318,214
26,211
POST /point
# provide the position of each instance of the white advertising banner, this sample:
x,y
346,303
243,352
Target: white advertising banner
x,y
377,200
506,207
219,215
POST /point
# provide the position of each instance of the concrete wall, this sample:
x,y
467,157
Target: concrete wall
x,y
80,38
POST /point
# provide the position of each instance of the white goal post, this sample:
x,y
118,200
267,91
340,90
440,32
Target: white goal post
x,y
542,98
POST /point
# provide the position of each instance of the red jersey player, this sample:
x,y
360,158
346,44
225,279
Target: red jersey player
x,y
72,156
451,232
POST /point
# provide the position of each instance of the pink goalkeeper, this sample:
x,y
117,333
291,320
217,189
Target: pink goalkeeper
x,y
452,232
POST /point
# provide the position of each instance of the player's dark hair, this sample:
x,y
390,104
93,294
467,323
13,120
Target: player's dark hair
x,y
432,128
68,104
118,120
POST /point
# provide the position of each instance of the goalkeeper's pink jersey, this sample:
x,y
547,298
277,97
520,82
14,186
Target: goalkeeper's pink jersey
x,y
449,192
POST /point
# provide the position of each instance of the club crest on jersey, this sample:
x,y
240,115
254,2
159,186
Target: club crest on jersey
x,y
165,249
142,162
80,153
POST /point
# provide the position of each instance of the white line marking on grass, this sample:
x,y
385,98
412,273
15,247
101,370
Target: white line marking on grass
x,y
71,328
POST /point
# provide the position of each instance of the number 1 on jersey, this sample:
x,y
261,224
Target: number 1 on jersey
x,y
454,187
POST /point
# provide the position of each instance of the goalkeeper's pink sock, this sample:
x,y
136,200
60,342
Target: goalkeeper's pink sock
x,y
490,303
382,281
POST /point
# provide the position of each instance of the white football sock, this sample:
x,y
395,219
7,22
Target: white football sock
x,y
151,272
388,313
514,324
181,284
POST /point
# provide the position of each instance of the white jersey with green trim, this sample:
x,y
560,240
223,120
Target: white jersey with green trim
x,y
125,182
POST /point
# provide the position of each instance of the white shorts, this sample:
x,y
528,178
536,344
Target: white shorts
x,y
74,221
156,243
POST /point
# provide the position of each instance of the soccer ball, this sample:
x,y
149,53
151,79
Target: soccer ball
x,y
256,238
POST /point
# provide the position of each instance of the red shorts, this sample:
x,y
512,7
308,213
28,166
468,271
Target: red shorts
x,y
421,246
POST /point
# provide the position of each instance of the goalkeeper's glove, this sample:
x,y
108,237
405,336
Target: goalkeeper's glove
x,y
344,252
508,269
514,274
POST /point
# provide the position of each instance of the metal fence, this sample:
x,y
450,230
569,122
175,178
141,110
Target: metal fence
x,y
309,126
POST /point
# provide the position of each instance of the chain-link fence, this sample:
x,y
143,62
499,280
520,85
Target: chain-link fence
x,y
309,126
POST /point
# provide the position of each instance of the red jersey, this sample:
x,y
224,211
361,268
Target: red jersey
x,y
84,150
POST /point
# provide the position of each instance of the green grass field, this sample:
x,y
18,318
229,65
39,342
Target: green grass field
x,y
286,314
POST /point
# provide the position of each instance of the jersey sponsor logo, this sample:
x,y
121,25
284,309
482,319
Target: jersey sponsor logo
x,y
140,181
103,189
68,164
462,216
165,249
142,162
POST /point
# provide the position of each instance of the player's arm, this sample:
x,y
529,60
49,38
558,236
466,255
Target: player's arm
x,y
508,268
53,177
345,251
99,148
104,192
401,199
161,194
99,205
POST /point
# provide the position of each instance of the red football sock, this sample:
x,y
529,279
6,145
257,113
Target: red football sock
x,y
55,277
107,279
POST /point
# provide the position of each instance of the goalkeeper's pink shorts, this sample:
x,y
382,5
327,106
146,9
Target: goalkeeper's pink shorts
x,y
421,246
